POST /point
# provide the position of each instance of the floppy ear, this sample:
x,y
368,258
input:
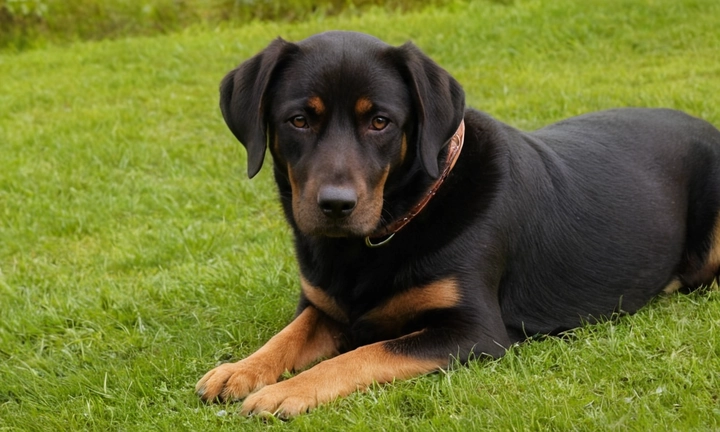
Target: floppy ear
x,y
243,94
439,101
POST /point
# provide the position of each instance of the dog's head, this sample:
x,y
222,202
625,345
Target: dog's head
x,y
344,115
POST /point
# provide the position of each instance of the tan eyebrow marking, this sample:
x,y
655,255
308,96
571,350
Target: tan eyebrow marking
x,y
317,105
363,106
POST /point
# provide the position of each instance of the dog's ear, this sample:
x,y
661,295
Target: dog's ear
x,y
243,98
439,103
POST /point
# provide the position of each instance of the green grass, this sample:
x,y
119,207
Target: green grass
x,y
135,254
32,23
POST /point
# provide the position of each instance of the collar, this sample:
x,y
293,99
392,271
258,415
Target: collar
x,y
454,147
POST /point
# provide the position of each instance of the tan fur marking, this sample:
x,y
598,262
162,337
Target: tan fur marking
x,y
712,263
276,144
324,302
440,294
673,286
380,187
317,105
310,336
340,376
403,148
363,106
294,188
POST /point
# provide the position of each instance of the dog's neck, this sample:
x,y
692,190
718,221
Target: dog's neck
x,y
386,233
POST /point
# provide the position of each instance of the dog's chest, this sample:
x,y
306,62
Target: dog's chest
x,y
384,312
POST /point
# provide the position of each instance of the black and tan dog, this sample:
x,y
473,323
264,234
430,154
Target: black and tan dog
x,y
427,232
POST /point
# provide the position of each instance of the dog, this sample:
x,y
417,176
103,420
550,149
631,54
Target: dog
x,y
429,233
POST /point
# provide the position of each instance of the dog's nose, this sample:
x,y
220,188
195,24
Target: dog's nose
x,y
337,202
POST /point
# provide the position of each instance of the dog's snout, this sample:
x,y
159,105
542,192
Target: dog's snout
x,y
337,202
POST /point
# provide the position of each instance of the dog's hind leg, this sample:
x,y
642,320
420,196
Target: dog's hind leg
x,y
707,268
701,257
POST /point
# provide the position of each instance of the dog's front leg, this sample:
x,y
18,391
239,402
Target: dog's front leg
x,y
411,355
310,336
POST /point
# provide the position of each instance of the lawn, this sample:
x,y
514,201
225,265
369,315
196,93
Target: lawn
x,y
135,254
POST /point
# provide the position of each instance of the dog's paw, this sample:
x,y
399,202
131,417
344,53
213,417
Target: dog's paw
x,y
234,381
284,400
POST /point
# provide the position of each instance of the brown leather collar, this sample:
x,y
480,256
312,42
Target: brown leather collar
x,y
454,148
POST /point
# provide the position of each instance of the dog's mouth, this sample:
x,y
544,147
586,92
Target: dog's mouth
x,y
335,232
333,228
362,221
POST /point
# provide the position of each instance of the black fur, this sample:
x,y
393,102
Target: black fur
x,y
541,231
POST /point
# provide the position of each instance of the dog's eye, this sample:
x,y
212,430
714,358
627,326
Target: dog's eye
x,y
379,123
299,122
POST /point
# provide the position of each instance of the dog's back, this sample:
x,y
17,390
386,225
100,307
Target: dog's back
x,y
629,199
